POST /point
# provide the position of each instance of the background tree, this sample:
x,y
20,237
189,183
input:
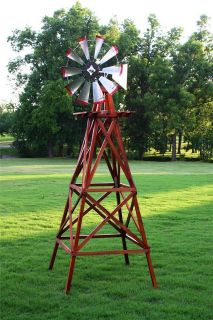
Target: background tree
x,y
7,111
169,85
42,119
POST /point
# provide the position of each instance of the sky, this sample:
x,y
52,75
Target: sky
x,y
17,14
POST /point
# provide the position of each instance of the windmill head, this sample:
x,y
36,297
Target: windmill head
x,y
89,76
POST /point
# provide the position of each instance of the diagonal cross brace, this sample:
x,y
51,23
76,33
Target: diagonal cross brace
x,y
106,219
115,220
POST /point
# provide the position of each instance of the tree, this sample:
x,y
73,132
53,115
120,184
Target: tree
x,y
193,66
169,84
6,118
150,81
42,118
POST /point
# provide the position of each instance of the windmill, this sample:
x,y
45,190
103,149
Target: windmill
x,y
93,73
94,80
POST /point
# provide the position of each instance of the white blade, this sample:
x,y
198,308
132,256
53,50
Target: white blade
x,y
113,70
83,97
69,71
72,87
122,78
98,96
84,46
110,86
73,56
99,41
111,53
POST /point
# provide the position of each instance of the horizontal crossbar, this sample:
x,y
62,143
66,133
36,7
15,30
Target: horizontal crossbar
x,y
99,253
83,236
102,187
103,114
120,189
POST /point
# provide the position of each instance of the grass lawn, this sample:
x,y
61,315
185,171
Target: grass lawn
x,y
6,138
176,202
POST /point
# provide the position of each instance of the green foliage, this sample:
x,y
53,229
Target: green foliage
x,y
44,121
169,84
6,118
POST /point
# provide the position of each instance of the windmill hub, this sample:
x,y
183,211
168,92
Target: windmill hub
x,y
91,71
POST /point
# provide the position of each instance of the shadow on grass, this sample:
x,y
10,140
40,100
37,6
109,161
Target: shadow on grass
x,y
103,287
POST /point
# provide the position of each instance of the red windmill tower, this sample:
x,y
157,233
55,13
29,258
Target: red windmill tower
x,y
102,141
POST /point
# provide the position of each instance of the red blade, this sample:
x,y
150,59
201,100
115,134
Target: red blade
x,y
98,96
73,86
73,56
121,79
113,51
84,46
113,70
83,97
69,71
110,86
99,41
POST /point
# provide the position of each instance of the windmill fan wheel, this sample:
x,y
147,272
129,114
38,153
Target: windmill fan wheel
x,y
89,76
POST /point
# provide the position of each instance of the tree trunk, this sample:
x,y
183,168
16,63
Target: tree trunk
x,y
180,135
69,150
61,150
50,149
174,147
140,154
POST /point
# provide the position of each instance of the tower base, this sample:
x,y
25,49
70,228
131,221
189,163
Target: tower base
x,y
88,198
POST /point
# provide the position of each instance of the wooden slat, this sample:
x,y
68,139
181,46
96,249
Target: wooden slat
x,y
100,253
107,235
63,245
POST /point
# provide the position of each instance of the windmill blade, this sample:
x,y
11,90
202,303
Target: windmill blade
x,y
117,70
98,96
83,97
69,71
110,86
122,78
99,41
73,86
73,56
110,54
84,46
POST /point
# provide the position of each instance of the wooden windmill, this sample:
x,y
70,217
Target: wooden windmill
x,y
89,197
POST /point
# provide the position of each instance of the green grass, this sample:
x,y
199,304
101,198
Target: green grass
x,y
175,199
6,138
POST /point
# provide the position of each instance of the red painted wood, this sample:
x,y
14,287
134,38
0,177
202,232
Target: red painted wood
x,y
102,134
99,253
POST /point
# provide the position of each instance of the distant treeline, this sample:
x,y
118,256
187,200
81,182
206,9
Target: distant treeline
x,y
169,86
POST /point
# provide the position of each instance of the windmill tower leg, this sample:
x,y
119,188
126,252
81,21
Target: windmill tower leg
x,y
116,178
74,244
148,256
55,249
65,216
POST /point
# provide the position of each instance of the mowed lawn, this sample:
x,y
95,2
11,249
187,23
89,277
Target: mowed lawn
x,y
176,202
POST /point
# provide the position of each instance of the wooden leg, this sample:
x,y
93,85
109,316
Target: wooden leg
x,y
55,249
53,256
123,235
148,257
151,270
73,257
70,274
126,256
